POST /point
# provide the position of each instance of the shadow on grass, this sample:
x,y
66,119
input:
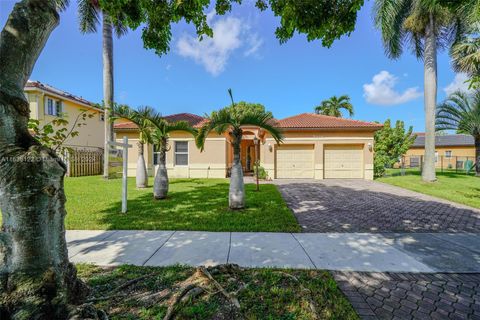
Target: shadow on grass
x,y
203,206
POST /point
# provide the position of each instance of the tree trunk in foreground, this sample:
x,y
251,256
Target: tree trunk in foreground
x,y
107,53
160,185
430,79
36,279
141,174
477,156
236,196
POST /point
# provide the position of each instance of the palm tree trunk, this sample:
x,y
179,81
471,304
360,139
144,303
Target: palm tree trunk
x,y
430,84
477,156
107,53
141,174
36,279
160,185
237,189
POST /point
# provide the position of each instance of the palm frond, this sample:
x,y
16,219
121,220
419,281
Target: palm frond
x,y
460,112
218,121
88,15
264,121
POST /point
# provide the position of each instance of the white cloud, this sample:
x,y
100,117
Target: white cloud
x,y
458,84
382,90
229,34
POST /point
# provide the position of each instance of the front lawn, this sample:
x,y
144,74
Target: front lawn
x,y
459,188
193,204
230,293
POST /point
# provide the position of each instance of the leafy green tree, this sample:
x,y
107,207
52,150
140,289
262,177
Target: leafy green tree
x,y
231,120
160,135
34,224
141,117
54,133
426,26
391,143
333,106
461,112
88,14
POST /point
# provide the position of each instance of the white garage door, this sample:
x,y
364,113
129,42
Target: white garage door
x,y
343,162
295,162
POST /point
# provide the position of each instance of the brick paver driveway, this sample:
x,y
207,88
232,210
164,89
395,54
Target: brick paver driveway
x,y
412,295
369,206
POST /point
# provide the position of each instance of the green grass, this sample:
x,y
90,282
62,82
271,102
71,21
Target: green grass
x,y
459,188
262,293
193,204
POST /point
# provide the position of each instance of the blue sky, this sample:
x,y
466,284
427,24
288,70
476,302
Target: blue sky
x,y
245,55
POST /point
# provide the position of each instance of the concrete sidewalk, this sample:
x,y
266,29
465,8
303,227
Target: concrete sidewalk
x,y
406,252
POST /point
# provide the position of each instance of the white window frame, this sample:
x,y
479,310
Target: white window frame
x,y
175,153
53,111
448,153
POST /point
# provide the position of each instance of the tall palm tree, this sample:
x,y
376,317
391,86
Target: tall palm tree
x,y
160,135
426,26
89,12
333,106
231,120
461,112
141,117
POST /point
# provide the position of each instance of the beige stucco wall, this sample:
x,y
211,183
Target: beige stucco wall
x,y
91,135
211,163
319,139
214,160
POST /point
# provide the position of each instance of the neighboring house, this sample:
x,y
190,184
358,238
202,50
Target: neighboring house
x,y
315,147
48,103
451,151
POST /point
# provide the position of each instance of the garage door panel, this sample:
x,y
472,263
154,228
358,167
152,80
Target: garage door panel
x,y
295,162
343,162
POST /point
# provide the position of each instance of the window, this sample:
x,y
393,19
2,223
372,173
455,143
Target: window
x,y
156,155
448,154
53,107
102,116
181,153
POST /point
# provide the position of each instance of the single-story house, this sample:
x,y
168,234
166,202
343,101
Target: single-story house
x,y
315,147
451,151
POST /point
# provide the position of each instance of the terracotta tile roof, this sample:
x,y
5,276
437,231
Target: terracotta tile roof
x,y
193,119
313,121
45,87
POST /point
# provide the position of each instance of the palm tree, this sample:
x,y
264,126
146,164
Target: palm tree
x,y
466,56
141,117
160,134
332,107
231,120
88,14
461,112
425,25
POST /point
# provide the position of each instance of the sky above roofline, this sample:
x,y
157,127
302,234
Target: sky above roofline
x,y
243,55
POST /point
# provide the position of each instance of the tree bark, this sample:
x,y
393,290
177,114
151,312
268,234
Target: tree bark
x,y
160,185
236,195
107,53
141,174
36,279
430,84
477,156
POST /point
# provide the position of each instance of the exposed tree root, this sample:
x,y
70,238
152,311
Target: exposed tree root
x,y
232,299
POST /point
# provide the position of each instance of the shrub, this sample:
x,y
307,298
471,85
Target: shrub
x,y
262,173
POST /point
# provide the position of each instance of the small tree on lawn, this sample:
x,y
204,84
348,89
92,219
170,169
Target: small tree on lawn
x,y
141,117
230,120
390,145
160,135
461,112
